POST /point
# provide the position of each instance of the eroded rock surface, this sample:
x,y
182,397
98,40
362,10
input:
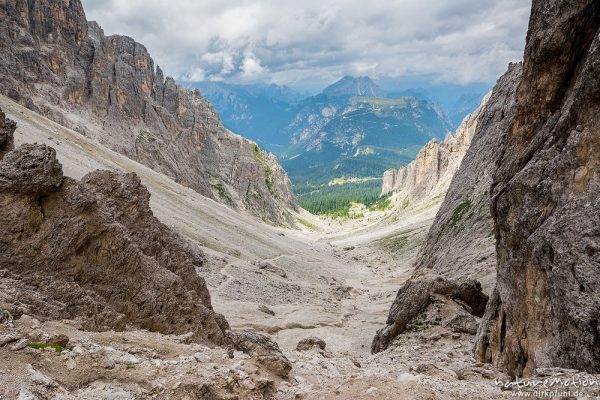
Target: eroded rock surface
x,y
107,87
261,348
460,243
310,343
7,130
415,296
93,251
545,204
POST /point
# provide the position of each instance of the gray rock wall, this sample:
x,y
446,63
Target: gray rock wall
x,y
461,243
545,203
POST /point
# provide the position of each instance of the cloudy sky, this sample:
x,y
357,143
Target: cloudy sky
x,y
304,43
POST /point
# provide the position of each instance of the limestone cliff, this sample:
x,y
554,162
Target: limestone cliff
x,y
429,175
92,251
545,201
460,243
57,63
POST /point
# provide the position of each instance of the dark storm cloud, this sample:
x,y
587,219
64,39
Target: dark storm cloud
x,y
289,42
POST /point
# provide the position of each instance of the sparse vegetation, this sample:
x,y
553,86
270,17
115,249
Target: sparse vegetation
x,y
382,204
40,346
459,212
308,224
220,188
405,203
394,243
269,176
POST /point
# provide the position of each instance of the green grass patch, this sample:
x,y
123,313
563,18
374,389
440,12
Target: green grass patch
x,y
394,243
307,224
382,204
459,212
40,346
269,176
220,188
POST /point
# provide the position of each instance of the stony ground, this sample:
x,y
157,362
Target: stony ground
x,y
334,281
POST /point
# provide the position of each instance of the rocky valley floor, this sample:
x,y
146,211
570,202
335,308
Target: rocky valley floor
x,y
333,283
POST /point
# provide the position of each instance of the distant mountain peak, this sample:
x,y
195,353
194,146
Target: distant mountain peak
x,y
354,86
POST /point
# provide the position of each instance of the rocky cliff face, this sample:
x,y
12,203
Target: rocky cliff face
x,y
93,251
545,201
460,243
435,165
7,130
55,62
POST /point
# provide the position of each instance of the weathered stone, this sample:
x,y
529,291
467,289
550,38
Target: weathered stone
x,y
462,322
93,250
267,266
545,203
263,349
265,309
30,170
39,378
7,131
310,343
61,340
415,296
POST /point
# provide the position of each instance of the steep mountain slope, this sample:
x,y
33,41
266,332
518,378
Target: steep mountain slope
x,y
260,112
545,201
55,62
532,176
429,175
342,132
460,243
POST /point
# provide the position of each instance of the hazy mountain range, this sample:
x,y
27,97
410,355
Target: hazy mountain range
x,y
352,128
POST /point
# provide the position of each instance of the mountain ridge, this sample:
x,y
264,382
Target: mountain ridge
x,y
107,87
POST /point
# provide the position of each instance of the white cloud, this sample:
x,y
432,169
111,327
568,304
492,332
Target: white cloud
x,y
313,41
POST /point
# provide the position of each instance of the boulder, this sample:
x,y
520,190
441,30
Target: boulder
x,y
261,348
311,343
416,295
93,251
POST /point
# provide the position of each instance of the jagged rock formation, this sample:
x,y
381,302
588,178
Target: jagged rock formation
x,y
545,204
433,168
460,243
93,251
415,296
55,62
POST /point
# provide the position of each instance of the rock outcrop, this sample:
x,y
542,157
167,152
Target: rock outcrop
x,y
93,251
57,63
433,168
460,243
263,349
415,296
7,130
545,203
